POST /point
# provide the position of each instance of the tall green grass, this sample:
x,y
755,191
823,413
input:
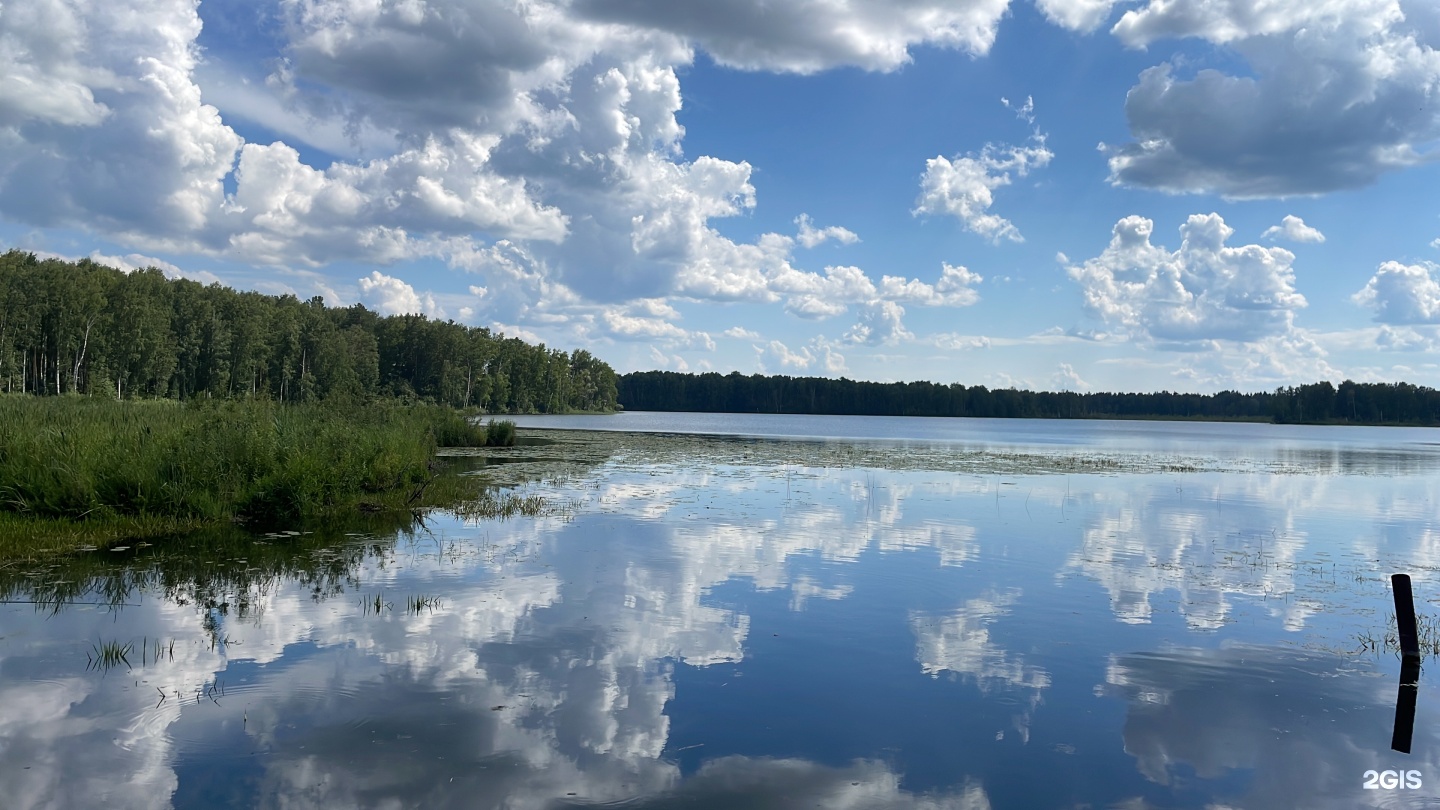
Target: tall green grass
x,y
500,433
79,459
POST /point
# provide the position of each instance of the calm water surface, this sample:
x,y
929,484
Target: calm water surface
x,y
1209,437
710,633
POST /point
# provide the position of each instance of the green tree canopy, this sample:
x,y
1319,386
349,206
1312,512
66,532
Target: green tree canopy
x,y
87,328
1323,402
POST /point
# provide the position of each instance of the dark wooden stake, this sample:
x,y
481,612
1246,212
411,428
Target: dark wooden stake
x,y
1405,616
1405,704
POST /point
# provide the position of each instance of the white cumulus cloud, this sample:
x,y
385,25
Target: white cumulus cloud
x,y
101,125
1204,291
741,333
625,326
648,320
964,187
955,288
810,236
881,323
806,36
818,355
668,361
1294,229
130,262
1333,94
830,359
1402,294
1078,15
1407,339
776,356
1066,378
284,211
392,296
816,296
955,341
534,146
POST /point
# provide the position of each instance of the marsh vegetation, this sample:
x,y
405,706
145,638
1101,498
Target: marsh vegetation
x,y
79,470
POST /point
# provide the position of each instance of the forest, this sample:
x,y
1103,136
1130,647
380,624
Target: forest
x,y
1316,403
82,327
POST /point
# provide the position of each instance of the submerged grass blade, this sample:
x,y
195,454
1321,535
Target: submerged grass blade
x,y
507,504
1388,640
106,655
421,603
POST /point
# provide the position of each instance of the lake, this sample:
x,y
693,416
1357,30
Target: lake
x,y
736,611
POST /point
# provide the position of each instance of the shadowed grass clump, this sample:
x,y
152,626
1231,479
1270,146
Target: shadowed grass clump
x,y
500,433
88,468
453,428
25,536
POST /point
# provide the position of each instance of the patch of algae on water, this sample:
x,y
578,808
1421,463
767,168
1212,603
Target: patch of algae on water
x,y
565,454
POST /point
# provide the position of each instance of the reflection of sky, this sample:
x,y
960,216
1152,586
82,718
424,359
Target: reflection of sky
x,y
715,635
1289,546
1268,728
960,642
1331,449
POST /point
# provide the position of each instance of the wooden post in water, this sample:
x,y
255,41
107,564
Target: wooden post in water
x,y
1405,616
1410,664
1405,705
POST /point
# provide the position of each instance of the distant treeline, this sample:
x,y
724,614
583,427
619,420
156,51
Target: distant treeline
x,y
86,328
1360,403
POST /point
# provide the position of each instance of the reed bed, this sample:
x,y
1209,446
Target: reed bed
x,y
83,469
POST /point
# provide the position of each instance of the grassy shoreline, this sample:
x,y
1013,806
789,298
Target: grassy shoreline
x,y
80,471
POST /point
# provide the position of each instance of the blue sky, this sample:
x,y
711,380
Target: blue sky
x,y
1084,194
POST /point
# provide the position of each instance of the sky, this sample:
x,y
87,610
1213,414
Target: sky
x,y
1184,195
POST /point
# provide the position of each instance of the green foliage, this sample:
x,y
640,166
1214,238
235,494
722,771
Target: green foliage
x,y
81,327
28,536
500,433
455,429
1355,403
83,459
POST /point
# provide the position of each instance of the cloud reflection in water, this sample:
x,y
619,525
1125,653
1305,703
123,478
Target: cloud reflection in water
x,y
552,669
